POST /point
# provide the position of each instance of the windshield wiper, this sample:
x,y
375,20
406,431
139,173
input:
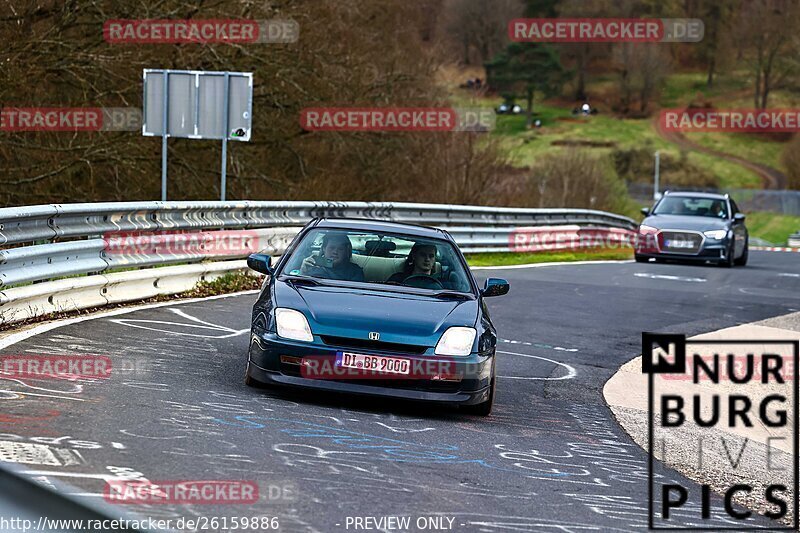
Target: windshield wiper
x,y
300,280
453,295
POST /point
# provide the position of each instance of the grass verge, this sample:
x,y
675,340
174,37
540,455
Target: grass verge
x,y
227,283
772,227
507,259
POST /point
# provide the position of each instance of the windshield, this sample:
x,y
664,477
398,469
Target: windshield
x,y
688,206
379,258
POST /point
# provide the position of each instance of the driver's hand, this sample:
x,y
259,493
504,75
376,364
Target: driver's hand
x,y
307,265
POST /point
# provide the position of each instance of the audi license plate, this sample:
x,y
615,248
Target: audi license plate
x,y
388,365
678,244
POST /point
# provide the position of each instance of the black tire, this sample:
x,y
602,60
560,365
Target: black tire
x,y
742,261
248,380
483,408
728,261
641,258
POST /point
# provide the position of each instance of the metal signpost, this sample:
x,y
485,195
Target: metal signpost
x,y
656,176
194,104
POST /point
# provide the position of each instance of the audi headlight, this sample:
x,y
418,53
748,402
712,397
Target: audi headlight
x,y
292,324
646,229
717,234
456,341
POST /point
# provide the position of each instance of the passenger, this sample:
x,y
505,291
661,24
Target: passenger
x,y
718,210
334,262
420,262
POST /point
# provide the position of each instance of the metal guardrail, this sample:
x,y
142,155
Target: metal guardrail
x,y
47,242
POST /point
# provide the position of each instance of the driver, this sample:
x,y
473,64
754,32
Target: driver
x,y
334,262
420,262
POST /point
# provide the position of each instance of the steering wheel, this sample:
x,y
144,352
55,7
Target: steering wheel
x,y
423,281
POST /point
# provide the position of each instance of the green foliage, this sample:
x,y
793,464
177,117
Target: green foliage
x,y
637,165
227,283
527,67
772,227
505,259
540,8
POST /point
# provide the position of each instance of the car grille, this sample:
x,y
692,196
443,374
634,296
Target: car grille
x,y
681,242
368,345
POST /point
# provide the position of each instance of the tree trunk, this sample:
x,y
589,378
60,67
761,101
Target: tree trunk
x,y
768,77
580,90
759,62
529,112
712,64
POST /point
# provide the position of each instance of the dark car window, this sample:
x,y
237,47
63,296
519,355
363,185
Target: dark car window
x,y
691,206
379,258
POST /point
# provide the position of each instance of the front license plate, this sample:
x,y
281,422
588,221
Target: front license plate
x,y
678,244
374,363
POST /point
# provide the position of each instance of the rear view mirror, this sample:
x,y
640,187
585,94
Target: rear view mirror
x,y
260,263
646,211
739,217
495,287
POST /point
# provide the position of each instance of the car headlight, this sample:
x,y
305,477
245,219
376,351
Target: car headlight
x,y
292,324
647,229
717,234
456,341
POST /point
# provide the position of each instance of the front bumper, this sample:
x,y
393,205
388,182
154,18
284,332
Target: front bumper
x,y
715,251
265,366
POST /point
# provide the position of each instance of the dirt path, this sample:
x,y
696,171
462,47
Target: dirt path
x,y
770,177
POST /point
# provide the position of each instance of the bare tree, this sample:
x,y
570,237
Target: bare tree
x,y
479,27
574,178
769,29
350,53
641,69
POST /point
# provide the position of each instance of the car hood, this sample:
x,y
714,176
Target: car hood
x,y
681,222
355,312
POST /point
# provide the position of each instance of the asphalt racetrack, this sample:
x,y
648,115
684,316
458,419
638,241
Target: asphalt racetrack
x,y
549,458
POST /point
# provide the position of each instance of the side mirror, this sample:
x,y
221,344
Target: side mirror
x,y
646,211
260,263
739,217
495,287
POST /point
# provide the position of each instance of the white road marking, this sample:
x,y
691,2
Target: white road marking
x,y
671,278
539,345
36,454
789,275
22,394
14,338
557,263
571,372
194,323
103,477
